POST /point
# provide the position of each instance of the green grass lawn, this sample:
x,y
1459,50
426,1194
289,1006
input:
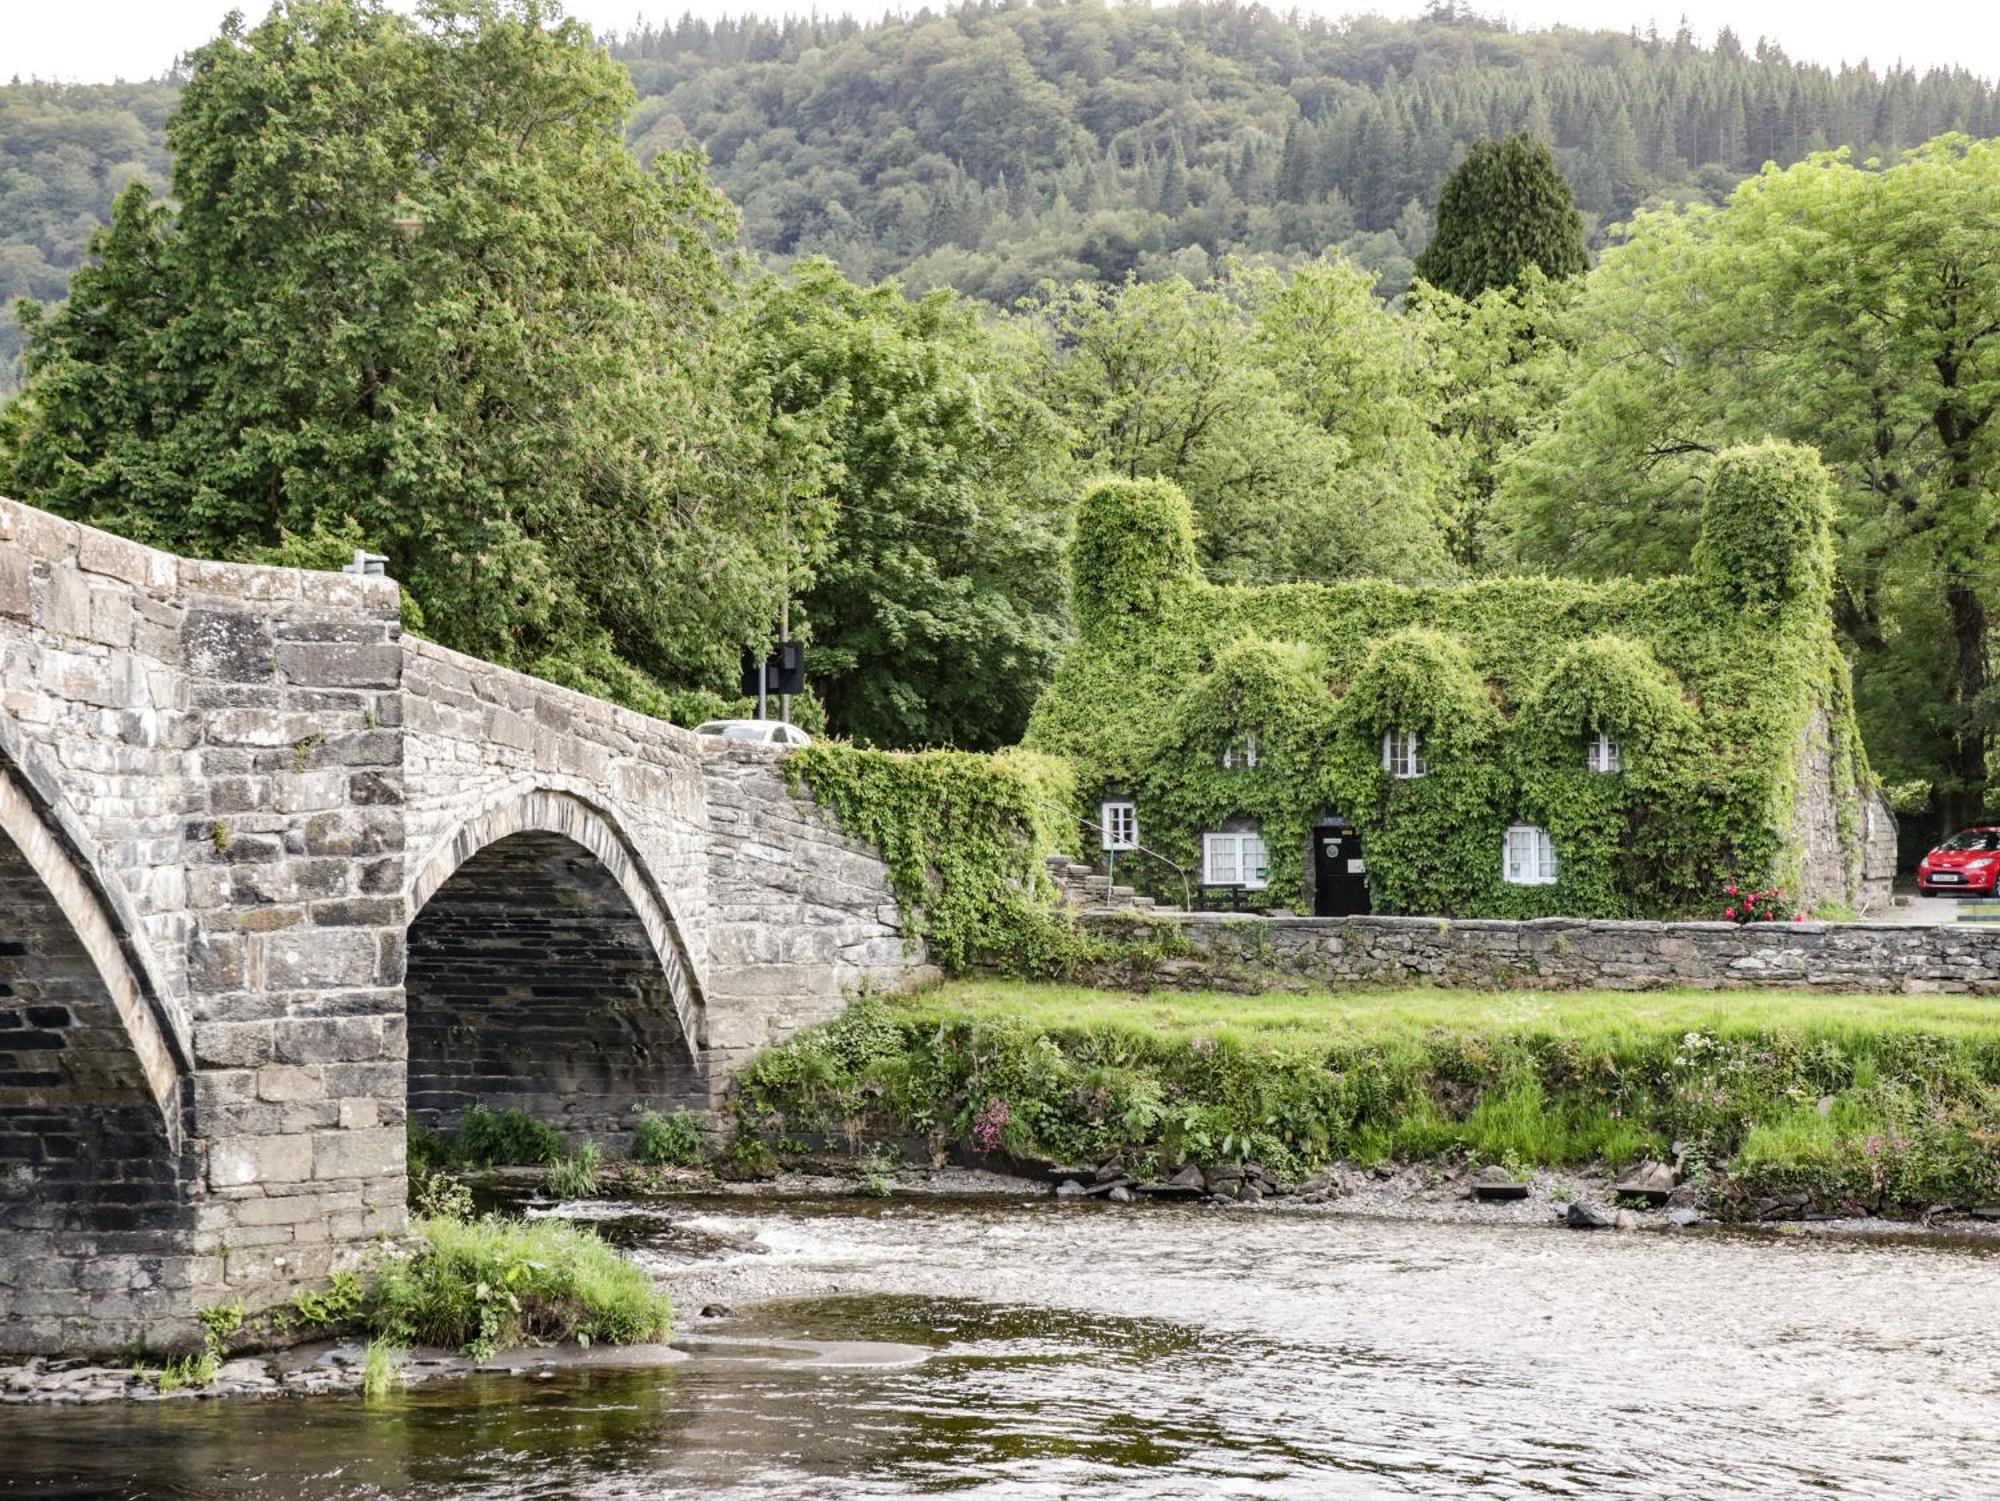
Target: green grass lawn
x,y
1365,1015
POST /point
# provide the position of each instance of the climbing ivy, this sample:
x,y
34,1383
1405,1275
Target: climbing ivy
x,y
1716,685
966,839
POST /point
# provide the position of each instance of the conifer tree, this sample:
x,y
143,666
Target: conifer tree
x,y
1507,207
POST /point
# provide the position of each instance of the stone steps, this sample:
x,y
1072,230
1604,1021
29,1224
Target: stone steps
x,y
1085,887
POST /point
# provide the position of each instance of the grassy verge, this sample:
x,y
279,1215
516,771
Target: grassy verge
x,y
1885,1102
476,1285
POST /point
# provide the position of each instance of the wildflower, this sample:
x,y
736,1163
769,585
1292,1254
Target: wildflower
x,y
1729,914
991,1124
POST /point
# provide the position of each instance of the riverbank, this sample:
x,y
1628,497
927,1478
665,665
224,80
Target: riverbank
x,y
1794,1105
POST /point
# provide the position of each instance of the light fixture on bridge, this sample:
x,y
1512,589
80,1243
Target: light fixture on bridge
x,y
368,564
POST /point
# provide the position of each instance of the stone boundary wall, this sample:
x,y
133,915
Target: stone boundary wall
x,y
1248,955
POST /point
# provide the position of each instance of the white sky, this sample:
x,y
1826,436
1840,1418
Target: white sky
x,y
99,40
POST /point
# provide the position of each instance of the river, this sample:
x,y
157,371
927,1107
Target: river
x,y
1031,1348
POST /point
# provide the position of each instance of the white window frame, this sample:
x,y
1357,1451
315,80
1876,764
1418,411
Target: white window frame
x,y
1235,857
1241,753
1118,825
1527,856
1606,756
1403,755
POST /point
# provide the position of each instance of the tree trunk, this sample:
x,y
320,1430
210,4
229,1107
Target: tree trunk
x,y
1964,800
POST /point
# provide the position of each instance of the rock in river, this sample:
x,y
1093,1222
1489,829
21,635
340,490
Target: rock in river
x,y
1584,1215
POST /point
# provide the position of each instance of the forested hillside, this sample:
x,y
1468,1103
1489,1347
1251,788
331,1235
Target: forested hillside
x,y
65,152
993,146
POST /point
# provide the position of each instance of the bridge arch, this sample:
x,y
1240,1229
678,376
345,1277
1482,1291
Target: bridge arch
x,y
93,1175
547,972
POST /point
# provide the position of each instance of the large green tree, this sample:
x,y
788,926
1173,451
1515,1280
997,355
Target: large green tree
x,y
1281,410
413,291
1855,308
1504,211
1495,367
929,502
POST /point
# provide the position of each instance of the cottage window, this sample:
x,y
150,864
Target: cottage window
x,y
1240,753
1605,756
1403,754
1119,826
1528,857
1234,859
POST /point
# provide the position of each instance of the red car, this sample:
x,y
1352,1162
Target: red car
x,y
1968,861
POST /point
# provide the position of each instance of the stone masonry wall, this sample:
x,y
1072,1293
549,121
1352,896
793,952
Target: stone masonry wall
x,y
210,763
481,737
1252,954
292,850
800,915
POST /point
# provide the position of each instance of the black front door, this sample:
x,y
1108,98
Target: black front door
x,y
1340,875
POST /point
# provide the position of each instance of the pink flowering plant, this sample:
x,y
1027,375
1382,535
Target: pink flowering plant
x,y
989,1127
1756,906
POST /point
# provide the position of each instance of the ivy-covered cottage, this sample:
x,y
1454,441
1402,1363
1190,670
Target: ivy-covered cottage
x,y
1514,747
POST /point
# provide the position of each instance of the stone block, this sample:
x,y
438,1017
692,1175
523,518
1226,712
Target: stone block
x,y
335,1039
245,1160
280,1082
358,1154
16,578
233,646
334,664
233,1044
319,958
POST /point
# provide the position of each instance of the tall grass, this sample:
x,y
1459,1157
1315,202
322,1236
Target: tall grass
x,y
491,1283
1871,1098
575,1175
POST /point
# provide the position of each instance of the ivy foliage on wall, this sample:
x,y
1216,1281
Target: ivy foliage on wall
x,y
966,838
1711,684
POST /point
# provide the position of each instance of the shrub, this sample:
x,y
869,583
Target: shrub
x,y
1907,1118
750,1160
439,1196
494,1283
504,1138
966,839
676,1140
1744,907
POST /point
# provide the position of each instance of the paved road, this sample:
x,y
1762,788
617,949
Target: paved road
x,y
1924,911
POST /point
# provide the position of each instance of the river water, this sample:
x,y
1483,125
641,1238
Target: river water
x,y
1044,1349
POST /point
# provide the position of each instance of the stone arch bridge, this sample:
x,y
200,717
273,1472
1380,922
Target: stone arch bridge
x,y
275,878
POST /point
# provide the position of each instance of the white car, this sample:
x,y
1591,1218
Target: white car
x,y
754,731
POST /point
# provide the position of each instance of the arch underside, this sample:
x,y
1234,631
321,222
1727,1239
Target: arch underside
x,y
534,983
94,1217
